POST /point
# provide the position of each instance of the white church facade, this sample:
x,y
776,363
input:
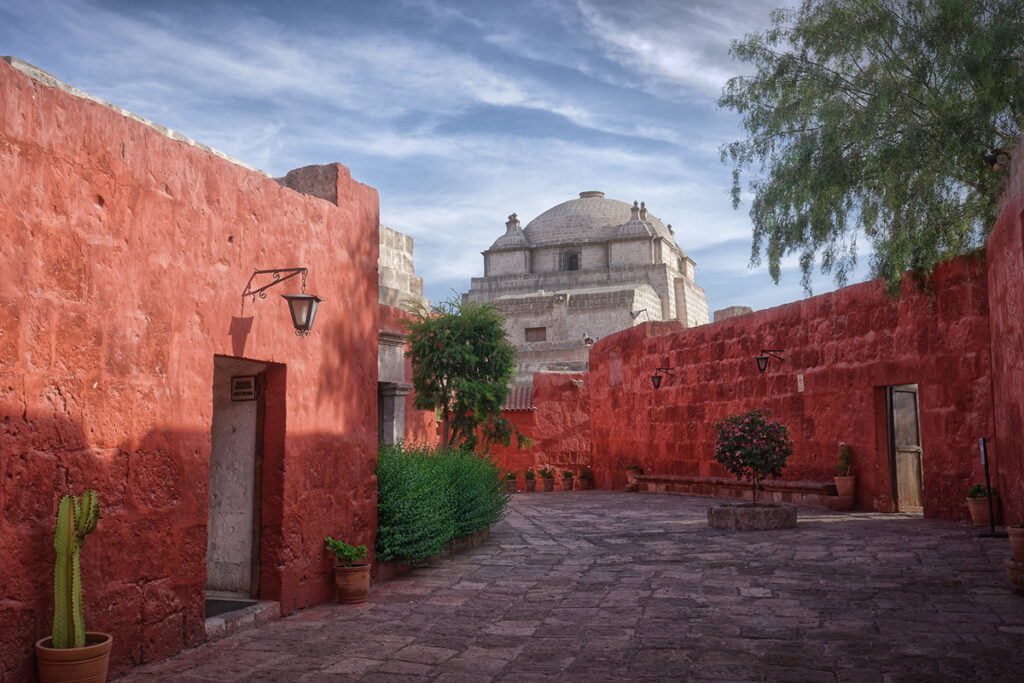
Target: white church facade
x,y
582,270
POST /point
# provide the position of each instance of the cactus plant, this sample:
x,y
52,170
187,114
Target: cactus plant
x,y
75,519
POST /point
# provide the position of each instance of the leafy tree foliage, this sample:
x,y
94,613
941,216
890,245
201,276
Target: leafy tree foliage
x,y
752,446
873,117
462,362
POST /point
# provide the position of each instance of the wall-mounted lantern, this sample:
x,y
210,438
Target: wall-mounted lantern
x,y
762,360
656,377
301,306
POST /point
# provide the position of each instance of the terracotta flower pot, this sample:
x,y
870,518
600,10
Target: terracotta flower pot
x,y
845,486
1016,542
531,484
584,484
979,510
567,483
80,664
510,485
547,484
352,583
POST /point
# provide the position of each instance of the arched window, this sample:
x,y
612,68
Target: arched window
x,y
571,260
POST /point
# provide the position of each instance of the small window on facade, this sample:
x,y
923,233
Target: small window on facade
x,y
571,260
536,334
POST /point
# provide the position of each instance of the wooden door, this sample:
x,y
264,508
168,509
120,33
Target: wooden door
x,y
905,447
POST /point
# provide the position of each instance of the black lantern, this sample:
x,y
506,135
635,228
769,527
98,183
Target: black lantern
x,y
762,360
301,306
656,377
303,310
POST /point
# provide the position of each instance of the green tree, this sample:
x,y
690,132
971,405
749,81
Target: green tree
x,y
872,117
462,363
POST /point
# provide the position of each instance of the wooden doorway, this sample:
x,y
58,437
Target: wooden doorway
x,y
905,455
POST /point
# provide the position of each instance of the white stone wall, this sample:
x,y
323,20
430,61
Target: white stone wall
x,y
629,253
397,281
508,262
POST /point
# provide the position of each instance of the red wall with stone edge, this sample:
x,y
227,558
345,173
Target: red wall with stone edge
x,y
559,426
420,425
847,344
123,256
1006,293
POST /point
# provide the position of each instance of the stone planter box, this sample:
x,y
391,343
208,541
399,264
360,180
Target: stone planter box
x,y
752,517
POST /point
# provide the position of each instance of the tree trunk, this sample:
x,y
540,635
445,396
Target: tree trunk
x,y
755,489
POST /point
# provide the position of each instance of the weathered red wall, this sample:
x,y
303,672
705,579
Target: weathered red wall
x,y
123,256
847,344
1006,294
420,425
559,426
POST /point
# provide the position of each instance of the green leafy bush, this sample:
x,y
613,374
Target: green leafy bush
x,y
429,496
979,491
752,446
346,554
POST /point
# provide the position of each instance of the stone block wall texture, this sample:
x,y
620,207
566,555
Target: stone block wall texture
x,y
420,425
559,426
1005,253
124,253
848,345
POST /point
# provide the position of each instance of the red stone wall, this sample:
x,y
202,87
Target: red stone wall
x,y
123,255
559,426
420,425
848,345
1006,293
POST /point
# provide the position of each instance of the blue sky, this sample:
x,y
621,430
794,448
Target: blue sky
x,y
459,113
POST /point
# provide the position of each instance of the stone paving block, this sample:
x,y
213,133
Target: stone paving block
x,y
613,586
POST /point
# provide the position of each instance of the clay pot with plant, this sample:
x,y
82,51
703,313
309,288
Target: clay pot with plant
x,y
567,480
71,653
846,481
530,479
510,482
978,505
547,478
632,484
585,480
1016,534
351,577
752,446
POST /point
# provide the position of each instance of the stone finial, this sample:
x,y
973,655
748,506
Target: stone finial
x,y
643,211
512,223
670,230
634,214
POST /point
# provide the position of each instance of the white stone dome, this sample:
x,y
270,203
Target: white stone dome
x,y
591,218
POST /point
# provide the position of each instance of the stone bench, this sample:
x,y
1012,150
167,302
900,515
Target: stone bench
x,y
813,493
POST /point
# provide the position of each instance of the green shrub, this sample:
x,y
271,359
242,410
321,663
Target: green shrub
x,y
752,446
428,496
347,554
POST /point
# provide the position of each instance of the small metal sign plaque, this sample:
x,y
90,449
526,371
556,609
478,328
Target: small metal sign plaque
x,y
243,388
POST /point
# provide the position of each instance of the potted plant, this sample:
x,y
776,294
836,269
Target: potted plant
x,y
71,653
567,480
845,482
510,481
585,480
631,472
530,479
351,577
752,446
547,478
977,504
1016,541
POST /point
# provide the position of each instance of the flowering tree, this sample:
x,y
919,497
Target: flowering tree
x,y
752,446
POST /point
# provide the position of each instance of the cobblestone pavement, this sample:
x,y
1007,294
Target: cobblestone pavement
x,y
597,585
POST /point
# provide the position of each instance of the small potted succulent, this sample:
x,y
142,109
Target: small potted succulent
x,y
547,478
530,479
351,577
585,480
846,482
977,504
71,653
567,480
510,481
